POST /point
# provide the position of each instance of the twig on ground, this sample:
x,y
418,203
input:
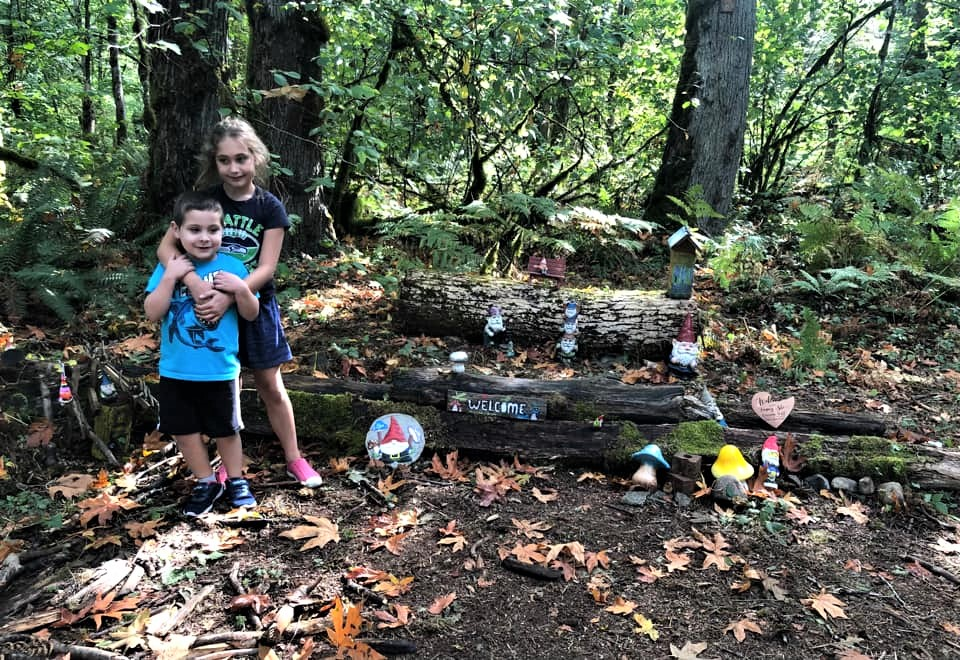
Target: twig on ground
x,y
933,568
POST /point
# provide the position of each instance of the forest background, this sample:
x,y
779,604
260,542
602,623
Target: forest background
x,y
477,134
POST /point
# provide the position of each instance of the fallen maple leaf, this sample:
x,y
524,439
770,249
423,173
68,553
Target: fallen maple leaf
x,y
648,574
645,627
677,561
826,605
545,496
855,510
690,651
596,476
103,507
143,343
799,515
339,465
107,606
452,537
322,532
740,628
442,603
951,628
399,617
449,469
621,606
532,530
39,433
71,485
721,561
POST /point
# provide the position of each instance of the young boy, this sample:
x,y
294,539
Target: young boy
x,y
199,363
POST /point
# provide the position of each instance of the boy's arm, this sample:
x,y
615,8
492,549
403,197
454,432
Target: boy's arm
x,y
157,302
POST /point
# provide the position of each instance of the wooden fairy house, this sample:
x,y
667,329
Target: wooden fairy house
x,y
683,256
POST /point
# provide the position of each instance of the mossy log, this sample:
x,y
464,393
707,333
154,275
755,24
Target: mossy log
x,y
610,322
581,399
338,424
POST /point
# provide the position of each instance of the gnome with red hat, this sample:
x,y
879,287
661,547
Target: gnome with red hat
x,y
685,352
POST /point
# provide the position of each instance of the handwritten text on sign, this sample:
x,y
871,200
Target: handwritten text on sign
x,y
772,412
496,404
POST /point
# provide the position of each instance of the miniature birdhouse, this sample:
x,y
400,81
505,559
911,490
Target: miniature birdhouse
x,y
683,256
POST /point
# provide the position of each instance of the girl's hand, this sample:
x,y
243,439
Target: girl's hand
x,y
177,267
213,305
228,282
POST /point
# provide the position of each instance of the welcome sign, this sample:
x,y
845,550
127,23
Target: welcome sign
x,y
501,405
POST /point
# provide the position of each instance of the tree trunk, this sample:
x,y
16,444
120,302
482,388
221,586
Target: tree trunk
x,y
287,37
87,116
871,123
119,104
609,322
708,118
184,94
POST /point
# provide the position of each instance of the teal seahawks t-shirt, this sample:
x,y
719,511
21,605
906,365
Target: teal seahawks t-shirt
x,y
191,349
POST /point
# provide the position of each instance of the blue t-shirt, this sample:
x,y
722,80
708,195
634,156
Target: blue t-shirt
x,y
189,348
244,224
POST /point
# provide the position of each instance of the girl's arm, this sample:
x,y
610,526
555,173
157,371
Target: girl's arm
x,y
247,304
268,260
210,303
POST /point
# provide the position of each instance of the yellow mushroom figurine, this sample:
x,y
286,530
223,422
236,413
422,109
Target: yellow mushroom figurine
x,y
731,472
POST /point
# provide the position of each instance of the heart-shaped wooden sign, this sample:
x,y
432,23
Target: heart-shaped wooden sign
x,y
772,412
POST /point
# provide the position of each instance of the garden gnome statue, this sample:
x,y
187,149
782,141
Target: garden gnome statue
x,y
495,333
685,352
567,347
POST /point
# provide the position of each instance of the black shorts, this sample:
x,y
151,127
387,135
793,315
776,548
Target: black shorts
x,y
263,343
191,406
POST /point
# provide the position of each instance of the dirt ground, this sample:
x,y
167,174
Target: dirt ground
x,y
435,557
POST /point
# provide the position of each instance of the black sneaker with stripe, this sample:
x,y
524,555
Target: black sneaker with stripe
x,y
238,492
202,498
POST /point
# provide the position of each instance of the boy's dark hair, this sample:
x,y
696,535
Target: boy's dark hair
x,y
194,200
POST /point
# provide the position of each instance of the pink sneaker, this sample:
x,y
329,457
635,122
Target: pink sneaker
x,y
302,472
221,474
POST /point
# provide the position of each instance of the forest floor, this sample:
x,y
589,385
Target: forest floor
x,y
423,559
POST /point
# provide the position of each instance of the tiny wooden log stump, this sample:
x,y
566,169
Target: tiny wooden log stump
x,y
610,322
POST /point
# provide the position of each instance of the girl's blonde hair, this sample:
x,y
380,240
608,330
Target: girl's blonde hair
x,y
239,129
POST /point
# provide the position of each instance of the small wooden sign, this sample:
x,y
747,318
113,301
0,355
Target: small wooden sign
x,y
501,405
772,412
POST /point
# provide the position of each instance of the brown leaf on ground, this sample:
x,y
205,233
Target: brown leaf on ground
x,y
741,627
826,605
545,496
103,507
621,606
690,651
677,562
855,510
532,530
39,433
71,485
320,533
441,603
449,468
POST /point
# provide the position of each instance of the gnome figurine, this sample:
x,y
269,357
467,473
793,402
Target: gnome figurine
x,y
495,333
685,352
567,347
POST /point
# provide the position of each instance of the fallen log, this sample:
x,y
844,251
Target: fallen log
x,y
609,322
609,445
580,398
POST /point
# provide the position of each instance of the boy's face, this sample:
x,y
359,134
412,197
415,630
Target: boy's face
x,y
200,234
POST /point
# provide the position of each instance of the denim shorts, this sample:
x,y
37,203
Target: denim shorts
x,y
263,344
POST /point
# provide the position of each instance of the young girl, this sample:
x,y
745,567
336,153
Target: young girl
x,y
233,161
199,361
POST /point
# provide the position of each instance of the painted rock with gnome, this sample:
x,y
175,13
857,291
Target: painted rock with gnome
x,y
395,439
